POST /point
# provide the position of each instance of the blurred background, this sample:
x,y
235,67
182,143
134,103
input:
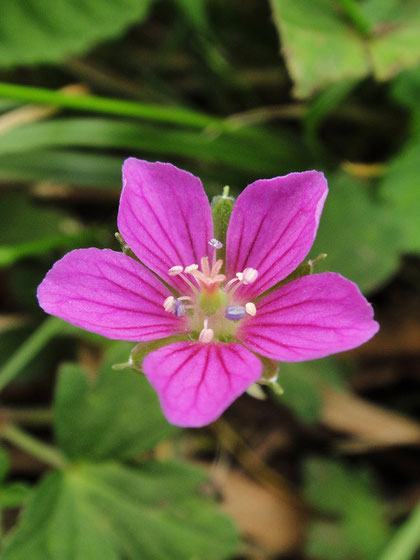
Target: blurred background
x,y
232,91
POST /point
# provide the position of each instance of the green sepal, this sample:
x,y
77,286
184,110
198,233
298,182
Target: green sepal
x,y
222,207
304,269
124,247
142,349
270,374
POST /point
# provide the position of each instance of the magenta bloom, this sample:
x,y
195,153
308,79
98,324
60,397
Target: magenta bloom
x,y
165,218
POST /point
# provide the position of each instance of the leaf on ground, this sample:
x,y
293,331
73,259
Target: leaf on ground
x,y
360,529
33,32
109,511
117,416
360,235
322,42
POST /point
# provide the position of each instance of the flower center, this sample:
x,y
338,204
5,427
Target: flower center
x,y
210,309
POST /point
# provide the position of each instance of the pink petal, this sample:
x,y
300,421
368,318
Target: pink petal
x,y
273,226
197,382
110,294
164,216
309,318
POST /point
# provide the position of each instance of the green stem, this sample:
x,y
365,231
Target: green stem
x,y
27,416
32,345
159,113
42,451
356,15
406,541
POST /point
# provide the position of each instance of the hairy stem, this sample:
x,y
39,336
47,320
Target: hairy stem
x,y
406,540
32,345
42,451
161,113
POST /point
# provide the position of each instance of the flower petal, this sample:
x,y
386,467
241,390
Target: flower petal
x,y
273,226
197,382
164,216
110,294
309,318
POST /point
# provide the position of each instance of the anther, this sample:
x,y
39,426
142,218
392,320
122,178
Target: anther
x,y
235,312
179,309
206,335
215,243
190,268
250,308
249,275
169,304
176,270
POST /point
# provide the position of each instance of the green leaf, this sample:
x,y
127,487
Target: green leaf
x,y
359,234
333,40
27,229
50,30
361,530
109,512
69,167
319,45
302,384
400,189
396,44
13,494
117,416
255,151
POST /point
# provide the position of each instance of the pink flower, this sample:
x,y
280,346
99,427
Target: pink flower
x,y
165,218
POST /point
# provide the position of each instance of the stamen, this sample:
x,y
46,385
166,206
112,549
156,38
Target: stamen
x,y
250,308
215,243
249,275
235,312
179,309
206,335
169,304
190,268
176,270
230,283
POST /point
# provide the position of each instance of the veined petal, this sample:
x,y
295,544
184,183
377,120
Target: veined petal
x,y
273,226
110,294
308,318
197,382
164,216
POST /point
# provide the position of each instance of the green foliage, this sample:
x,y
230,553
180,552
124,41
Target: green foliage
x,y
97,508
115,417
109,511
11,494
35,31
319,46
302,384
333,40
357,528
26,230
359,234
252,151
400,189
